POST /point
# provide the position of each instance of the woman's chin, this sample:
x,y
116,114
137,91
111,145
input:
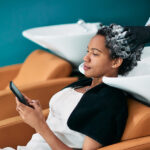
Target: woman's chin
x,y
87,75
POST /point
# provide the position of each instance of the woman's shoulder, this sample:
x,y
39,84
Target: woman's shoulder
x,y
105,90
114,91
106,95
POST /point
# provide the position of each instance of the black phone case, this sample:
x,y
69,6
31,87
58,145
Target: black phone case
x,y
18,95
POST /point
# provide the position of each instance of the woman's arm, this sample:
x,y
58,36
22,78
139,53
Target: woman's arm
x,y
51,139
36,120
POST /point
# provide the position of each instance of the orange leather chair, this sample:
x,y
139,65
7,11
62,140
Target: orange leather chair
x,y
136,135
38,66
38,70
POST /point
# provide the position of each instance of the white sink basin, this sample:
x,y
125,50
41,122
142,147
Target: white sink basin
x,y
68,41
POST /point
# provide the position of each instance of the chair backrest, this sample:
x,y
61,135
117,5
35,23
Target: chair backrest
x,y
138,123
41,65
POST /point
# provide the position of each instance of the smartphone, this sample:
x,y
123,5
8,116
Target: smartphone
x,y
18,94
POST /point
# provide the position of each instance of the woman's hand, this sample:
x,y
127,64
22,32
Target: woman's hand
x,y
34,118
31,116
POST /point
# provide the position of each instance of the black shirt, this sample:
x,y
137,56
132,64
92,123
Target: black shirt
x,y
100,114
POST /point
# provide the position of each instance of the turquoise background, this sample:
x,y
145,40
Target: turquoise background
x,y
19,15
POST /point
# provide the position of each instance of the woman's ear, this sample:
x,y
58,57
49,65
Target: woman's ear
x,y
117,62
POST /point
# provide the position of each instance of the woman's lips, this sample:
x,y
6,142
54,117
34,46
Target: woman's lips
x,y
86,67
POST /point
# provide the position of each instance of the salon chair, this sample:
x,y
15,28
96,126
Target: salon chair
x,y
41,72
136,135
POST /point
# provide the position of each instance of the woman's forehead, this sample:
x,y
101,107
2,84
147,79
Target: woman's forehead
x,y
98,42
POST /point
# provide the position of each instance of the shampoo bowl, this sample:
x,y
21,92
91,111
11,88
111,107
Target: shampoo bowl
x,y
68,41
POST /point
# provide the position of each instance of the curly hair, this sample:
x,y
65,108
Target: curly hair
x,y
116,42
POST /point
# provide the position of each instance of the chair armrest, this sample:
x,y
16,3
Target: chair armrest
x,y
13,131
41,91
142,143
7,74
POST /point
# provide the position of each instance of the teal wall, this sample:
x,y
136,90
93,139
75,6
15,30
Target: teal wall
x,y
18,15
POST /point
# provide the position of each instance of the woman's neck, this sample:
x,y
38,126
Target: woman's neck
x,y
96,81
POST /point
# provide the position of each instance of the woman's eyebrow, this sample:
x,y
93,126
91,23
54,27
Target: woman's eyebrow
x,y
97,50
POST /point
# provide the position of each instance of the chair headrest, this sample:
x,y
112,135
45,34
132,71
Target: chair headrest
x,y
41,65
138,123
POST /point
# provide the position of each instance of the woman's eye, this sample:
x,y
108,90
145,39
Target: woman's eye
x,y
95,54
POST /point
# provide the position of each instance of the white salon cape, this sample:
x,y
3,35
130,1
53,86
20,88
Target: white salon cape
x,y
61,105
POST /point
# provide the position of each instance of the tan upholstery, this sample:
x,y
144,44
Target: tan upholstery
x,y
7,74
138,123
142,143
41,66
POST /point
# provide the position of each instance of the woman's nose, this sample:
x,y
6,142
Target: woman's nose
x,y
86,58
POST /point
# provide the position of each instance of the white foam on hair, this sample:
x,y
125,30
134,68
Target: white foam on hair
x,y
117,42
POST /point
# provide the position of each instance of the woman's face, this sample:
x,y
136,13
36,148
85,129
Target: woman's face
x,y
97,61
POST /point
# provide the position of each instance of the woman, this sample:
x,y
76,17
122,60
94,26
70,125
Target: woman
x,y
87,114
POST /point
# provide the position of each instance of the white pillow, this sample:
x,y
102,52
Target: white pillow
x,y
137,82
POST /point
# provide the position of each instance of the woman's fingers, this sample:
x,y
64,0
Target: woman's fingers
x,y
32,117
17,109
17,101
21,107
30,101
35,104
